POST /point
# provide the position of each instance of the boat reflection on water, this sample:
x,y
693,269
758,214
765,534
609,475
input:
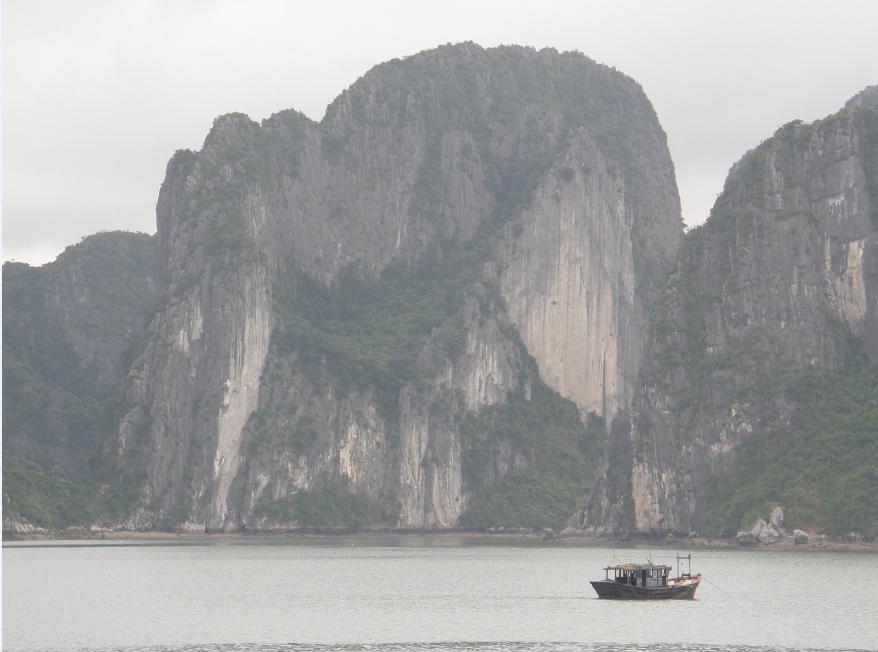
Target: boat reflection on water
x,y
647,582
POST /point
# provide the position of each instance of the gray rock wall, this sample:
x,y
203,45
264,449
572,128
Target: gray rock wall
x,y
784,266
70,331
556,165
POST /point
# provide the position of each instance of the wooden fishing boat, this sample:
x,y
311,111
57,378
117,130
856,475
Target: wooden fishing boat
x,y
647,582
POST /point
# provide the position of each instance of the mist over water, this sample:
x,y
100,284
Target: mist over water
x,y
419,594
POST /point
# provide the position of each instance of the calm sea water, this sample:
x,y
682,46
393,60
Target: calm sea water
x,y
294,595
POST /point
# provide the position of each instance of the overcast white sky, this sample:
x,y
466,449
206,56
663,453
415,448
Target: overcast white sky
x,y
97,95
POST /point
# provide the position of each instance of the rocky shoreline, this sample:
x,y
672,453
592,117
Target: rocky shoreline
x,y
500,535
761,534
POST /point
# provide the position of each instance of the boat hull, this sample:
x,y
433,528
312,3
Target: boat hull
x,y
610,590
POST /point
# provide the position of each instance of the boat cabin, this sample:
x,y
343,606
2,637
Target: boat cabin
x,y
642,575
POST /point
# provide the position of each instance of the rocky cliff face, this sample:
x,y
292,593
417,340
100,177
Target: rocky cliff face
x,y
423,310
338,298
70,331
578,310
775,287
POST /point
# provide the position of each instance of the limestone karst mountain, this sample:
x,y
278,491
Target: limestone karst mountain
x,y
463,298
69,329
371,315
760,385
337,293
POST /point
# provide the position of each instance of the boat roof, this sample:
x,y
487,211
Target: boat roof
x,y
635,567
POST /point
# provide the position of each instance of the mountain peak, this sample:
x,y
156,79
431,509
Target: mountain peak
x,y
865,99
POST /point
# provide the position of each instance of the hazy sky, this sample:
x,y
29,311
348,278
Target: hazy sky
x,y
98,95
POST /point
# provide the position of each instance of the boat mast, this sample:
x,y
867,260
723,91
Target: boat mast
x,y
687,558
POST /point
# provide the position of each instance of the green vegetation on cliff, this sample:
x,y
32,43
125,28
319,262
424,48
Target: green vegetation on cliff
x,y
45,499
326,508
551,455
70,330
368,333
823,468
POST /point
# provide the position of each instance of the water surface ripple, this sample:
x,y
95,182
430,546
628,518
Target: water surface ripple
x,y
420,594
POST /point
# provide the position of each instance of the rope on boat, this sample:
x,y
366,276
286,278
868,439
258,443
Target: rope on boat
x,y
742,604
719,588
